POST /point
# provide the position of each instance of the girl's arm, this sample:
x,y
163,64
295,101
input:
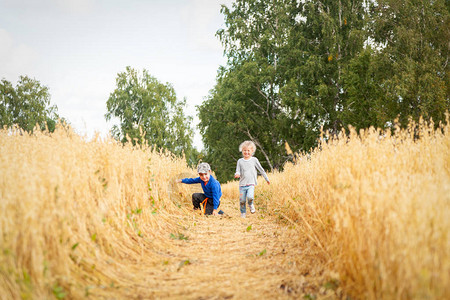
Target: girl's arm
x,y
238,171
261,170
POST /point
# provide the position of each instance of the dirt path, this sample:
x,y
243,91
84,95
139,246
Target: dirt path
x,y
230,258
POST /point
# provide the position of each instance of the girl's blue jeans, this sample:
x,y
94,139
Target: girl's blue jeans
x,y
246,193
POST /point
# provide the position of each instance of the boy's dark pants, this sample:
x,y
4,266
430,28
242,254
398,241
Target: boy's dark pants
x,y
198,198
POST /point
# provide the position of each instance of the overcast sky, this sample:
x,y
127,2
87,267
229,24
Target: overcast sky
x,y
77,47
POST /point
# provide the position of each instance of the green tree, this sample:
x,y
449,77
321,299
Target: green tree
x,y
245,103
412,40
26,104
284,78
149,109
326,38
297,67
364,103
240,108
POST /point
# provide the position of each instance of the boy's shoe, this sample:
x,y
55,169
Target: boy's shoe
x,y
252,208
243,215
220,212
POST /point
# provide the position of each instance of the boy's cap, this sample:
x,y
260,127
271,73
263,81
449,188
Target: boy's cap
x,y
203,168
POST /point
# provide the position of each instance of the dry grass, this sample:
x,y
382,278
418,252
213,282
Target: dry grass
x,y
81,217
373,211
363,215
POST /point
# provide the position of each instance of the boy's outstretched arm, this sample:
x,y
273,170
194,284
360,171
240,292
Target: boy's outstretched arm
x,y
189,180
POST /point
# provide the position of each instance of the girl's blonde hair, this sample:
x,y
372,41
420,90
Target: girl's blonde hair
x,y
248,144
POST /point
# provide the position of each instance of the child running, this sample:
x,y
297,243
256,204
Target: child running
x,y
246,172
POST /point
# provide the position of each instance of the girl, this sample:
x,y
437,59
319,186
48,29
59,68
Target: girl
x,y
246,170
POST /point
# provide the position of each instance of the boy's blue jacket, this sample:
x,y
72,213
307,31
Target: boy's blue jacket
x,y
212,190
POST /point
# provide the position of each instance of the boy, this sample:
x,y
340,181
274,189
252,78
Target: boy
x,y
211,188
246,170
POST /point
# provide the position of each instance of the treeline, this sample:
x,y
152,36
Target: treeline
x,y
298,67
147,111
294,69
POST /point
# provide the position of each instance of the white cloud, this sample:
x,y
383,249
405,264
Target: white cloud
x,y
15,58
75,6
72,6
76,48
202,19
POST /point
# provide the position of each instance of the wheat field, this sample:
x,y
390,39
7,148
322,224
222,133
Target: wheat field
x,y
374,209
364,215
78,213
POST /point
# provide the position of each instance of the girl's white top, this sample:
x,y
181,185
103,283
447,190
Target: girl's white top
x,y
246,169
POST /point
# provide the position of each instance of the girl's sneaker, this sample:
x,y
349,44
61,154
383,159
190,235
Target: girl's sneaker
x,y
243,215
252,208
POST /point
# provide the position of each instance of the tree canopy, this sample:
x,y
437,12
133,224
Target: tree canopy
x,y
26,104
149,110
298,67
411,62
